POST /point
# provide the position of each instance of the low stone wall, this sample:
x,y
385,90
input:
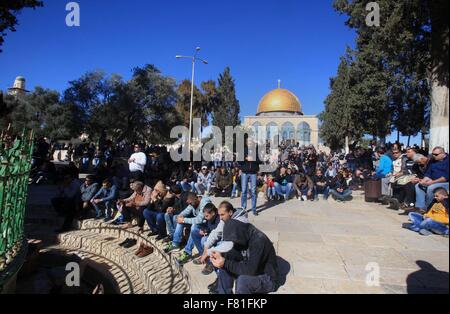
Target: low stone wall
x,y
157,273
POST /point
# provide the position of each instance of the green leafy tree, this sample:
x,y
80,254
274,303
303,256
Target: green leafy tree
x,y
226,111
184,103
342,116
392,64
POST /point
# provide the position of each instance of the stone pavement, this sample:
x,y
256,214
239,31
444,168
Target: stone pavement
x,y
325,247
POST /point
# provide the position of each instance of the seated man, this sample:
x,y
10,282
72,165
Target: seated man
x,y
135,205
88,189
154,214
436,176
224,183
436,220
179,203
226,212
304,187
192,216
199,237
257,272
66,202
283,184
384,172
339,188
321,185
189,180
105,197
204,181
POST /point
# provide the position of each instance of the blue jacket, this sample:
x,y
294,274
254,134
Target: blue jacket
x,y
437,169
107,194
385,167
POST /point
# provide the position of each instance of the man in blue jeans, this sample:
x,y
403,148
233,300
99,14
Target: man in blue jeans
x,y
250,168
436,176
284,184
107,197
172,212
191,216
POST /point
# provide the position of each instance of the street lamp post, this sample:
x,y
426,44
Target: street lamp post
x,y
193,58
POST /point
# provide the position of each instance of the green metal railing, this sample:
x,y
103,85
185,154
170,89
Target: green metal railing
x,y
15,166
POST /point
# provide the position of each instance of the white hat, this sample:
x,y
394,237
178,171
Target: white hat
x,y
223,247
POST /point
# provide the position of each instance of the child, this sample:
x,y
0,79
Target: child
x,y
436,219
270,187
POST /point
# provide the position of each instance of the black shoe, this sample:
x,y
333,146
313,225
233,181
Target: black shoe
x,y
125,242
167,240
394,204
130,244
152,234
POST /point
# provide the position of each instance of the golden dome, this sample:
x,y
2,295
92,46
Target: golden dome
x,y
280,100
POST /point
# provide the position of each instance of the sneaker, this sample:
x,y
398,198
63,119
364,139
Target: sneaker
x,y
304,198
184,258
171,248
152,234
167,240
255,213
209,269
425,232
197,262
107,219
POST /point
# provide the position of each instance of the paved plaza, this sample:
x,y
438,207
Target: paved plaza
x,y
325,246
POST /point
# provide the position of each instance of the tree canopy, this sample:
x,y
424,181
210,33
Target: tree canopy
x,y
388,71
9,9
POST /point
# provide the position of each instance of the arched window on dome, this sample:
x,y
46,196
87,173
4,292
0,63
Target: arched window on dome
x,y
288,131
304,134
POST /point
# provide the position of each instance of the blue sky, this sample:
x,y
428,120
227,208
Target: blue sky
x,y
297,41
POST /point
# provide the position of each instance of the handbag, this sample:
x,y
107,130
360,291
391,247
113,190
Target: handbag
x,y
403,180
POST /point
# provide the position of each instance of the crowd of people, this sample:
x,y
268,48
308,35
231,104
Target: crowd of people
x,y
175,200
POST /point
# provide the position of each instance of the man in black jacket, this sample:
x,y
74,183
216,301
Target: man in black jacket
x,y
257,272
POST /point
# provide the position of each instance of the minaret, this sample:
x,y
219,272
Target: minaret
x,y
18,89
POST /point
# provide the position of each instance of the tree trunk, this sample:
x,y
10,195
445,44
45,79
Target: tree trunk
x,y
409,140
439,75
347,148
398,137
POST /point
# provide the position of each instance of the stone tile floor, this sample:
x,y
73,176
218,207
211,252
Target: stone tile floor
x,y
331,247
325,247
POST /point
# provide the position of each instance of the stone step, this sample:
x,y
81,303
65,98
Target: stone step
x,y
156,270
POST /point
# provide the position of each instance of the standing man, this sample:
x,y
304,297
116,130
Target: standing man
x,y
250,169
137,163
